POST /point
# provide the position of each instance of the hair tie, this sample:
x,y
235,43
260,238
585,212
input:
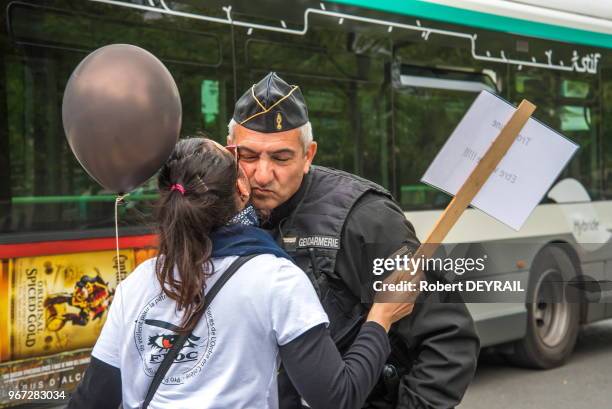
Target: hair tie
x,y
179,187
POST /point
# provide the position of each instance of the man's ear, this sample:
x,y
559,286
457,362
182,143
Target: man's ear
x,y
310,154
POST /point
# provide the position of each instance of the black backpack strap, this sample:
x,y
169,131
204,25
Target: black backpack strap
x,y
180,342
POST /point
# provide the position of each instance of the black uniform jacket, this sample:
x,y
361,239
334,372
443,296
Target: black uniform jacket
x,y
434,349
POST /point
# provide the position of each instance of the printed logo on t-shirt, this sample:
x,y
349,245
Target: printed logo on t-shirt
x,y
154,338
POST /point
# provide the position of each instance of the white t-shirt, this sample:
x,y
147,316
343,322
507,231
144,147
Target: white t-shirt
x,y
232,359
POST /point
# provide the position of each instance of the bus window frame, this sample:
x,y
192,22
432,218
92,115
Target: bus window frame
x,y
14,39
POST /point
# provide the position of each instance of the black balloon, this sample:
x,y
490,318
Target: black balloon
x,y
122,115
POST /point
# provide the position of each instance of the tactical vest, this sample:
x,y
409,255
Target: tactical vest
x,y
312,235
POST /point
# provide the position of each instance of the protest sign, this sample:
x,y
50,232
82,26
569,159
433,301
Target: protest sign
x,y
523,176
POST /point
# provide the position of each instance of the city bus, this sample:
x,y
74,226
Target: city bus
x,y
386,83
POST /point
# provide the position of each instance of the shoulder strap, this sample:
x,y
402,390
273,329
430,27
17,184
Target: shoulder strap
x,y
178,345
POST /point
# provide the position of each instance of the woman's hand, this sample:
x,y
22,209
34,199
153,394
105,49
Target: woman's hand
x,y
397,304
387,313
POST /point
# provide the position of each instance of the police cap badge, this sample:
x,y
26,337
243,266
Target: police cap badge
x,y
271,105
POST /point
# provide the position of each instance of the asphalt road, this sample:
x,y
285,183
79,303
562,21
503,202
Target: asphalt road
x,y
585,382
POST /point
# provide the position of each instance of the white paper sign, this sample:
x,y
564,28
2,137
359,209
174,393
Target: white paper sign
x,y
523,176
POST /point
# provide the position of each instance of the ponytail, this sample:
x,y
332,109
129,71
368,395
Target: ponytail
x,y
196,195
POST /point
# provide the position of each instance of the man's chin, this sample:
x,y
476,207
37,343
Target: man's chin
x,y
264,206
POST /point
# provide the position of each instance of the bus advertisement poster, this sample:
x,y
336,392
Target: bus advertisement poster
x,y
59,303
48,378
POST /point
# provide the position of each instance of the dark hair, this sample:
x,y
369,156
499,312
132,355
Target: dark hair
x,y
207,172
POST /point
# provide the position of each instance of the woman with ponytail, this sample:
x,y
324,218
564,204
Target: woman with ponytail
x,y
266,311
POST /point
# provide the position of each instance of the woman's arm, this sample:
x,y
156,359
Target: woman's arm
x,y
310,357
327,380
100,388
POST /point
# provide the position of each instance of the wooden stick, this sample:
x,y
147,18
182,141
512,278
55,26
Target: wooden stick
x,y
480,174
468,190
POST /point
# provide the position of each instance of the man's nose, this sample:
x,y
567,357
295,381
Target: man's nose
x,y
264,173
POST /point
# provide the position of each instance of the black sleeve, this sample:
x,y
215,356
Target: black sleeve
x,y
442,335
325,379
100,388
437,342
376,227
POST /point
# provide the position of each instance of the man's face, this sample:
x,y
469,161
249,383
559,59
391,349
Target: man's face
x,y
275,164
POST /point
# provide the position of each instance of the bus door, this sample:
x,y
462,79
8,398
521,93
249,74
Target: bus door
x,y
606,132
573,106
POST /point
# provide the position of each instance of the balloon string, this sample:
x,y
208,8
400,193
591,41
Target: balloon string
x,y
118,200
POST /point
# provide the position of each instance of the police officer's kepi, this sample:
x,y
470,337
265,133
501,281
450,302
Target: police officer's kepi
x,y
271,105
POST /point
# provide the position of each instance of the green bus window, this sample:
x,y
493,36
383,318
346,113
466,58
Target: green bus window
x,y
46,189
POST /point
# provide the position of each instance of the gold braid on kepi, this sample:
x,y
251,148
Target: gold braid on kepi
x,y
271,105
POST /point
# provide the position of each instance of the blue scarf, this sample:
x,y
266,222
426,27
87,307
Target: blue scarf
x,y
242,237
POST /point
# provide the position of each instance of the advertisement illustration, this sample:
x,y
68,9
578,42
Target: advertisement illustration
x,y
59,303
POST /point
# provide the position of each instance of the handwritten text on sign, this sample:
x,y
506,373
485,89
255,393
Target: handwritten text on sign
x,y
523,176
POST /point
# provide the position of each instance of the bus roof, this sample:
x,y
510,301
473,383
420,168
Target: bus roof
x,y
567,21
